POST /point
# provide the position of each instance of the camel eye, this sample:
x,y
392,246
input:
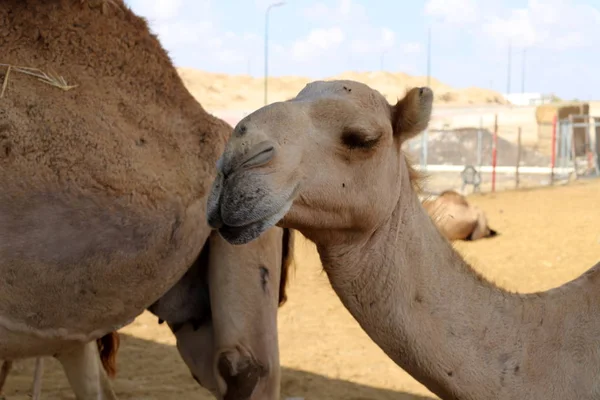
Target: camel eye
x,y
354,139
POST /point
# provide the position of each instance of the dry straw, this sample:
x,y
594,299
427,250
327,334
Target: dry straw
x,y
51,79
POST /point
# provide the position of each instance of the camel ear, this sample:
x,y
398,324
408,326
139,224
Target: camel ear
x,y
410,116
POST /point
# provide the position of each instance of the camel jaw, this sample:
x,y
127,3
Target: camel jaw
x,y
238,213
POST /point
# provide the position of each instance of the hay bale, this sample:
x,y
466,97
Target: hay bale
x,y
545,113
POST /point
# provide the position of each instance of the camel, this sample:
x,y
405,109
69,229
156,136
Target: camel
x,y
456,218
329,164
209,324
223,313
108,346
106,162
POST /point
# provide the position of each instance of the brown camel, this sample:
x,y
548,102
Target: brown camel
x,y
207,325
328,163
87,378
223,313
105,172
456,218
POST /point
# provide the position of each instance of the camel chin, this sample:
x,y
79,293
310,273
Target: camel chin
x,y
247,233
242,222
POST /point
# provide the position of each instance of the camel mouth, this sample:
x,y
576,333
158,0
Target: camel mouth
x,y
238,235
242,222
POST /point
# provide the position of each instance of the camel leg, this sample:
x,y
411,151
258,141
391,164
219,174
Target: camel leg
x,y
4,371
36,392
84,371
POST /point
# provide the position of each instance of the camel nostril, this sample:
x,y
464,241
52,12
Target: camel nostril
x,y
263,155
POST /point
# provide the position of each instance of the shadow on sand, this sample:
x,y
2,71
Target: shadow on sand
x,y
149,370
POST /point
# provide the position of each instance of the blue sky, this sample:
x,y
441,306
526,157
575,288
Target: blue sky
x,y
317,39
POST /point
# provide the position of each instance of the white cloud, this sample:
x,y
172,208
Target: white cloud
x,y
549,24
156,10
316,43
453,11
411,48
343,12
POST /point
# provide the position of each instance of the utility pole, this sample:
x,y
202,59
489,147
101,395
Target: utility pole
x,y
429,57
508,68
523,72
280,3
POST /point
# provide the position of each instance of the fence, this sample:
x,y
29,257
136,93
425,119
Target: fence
x,y
495,162
574,153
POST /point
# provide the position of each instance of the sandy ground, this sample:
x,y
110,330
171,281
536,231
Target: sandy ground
x,y
548,236
242,92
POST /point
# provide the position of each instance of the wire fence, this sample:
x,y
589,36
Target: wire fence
x,y
480,160
488,159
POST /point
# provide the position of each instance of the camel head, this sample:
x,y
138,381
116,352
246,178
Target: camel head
x,y
223,313
296,163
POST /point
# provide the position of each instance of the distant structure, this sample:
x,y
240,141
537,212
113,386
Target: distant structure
x,y
528,99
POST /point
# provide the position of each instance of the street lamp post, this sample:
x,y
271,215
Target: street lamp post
x,y
280,3
429,57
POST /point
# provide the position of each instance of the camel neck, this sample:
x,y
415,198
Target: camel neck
x,y
452,330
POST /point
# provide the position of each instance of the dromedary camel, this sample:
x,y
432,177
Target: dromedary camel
x,y
208,322
456,218
223,314
105,172
328,163
108,346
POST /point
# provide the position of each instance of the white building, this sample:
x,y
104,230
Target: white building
x,y
528,99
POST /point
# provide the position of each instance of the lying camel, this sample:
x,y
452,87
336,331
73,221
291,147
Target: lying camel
x,y
456,218
233,325
305,164
106,162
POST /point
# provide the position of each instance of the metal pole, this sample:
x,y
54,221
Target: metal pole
x,y
429,57
424,144
267,43
494,152
523,72
480,144
572,145
553,148
518,159
508,68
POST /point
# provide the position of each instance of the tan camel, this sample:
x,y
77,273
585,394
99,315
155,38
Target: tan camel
x,y
240,313
104,173
329,163
87,379
223,313
456,218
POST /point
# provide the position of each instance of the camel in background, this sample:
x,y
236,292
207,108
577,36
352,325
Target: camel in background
x,y
305,164
456,218
106,162
248,285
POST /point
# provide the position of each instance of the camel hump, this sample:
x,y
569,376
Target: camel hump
x,y
108,345
454,197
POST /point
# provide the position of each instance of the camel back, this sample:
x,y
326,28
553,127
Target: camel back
x,y
103,172
112,116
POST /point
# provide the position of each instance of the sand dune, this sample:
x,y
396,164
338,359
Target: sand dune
x,y
242,92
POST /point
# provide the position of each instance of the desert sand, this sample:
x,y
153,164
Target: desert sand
x,y
324,353
243,92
